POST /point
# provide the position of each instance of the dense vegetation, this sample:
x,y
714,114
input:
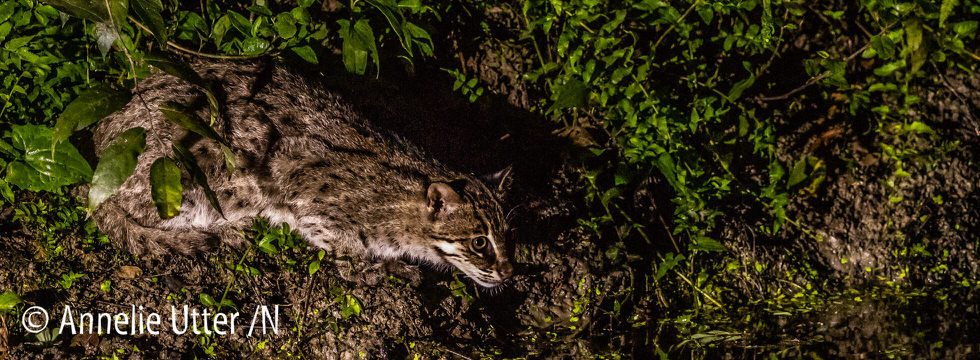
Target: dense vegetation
x,y
713,133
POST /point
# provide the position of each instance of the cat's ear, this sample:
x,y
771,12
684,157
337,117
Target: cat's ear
x,y
499,181
443,200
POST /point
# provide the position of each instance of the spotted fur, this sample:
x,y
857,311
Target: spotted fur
x,y
305,158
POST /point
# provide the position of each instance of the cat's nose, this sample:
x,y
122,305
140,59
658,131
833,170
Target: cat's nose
x,y
505,270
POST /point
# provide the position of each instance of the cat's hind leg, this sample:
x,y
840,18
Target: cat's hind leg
x,y
124,229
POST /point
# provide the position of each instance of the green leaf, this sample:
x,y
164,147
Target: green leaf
x,y
189,163
917,52
314,267
148,13
46,165
8,300
95,10
165,187
254,45
25,177
965,28
359,43
798,173
574,93
695,119
187,119
116,165
90,106
230,162
7,9
220,28
285,25
207,300
18,42
105,36
884,46
889,68
352,306
945,9
6,192
260,10
389,9
6,148
740,86
705,243
419,36
918,127
306,53
241,23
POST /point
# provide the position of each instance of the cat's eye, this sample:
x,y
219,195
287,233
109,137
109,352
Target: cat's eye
x,y
479,243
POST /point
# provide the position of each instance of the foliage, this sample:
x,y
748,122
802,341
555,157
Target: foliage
x,y
127,34
636,76
664,108
693,93
41,164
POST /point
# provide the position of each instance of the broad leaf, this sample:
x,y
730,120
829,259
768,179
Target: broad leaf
x,y
352,306
241,23
6,192
285,25
95,10
797,173
917,50
148,12
708,244
945,9
254,45
574,93
187,119
189,163
359,43
45,166
90,106
105,36
306,53
418,36
740,87
165,187
889,68
116,165
220,28
8,300
884,46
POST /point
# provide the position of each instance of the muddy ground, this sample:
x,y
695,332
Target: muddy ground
x,y
558,304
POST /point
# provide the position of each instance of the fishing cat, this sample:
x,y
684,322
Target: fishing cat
x,y
304,157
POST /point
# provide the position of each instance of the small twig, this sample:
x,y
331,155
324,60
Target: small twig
x,y
825,74
662,36
457,354
713,301
812,80
198,53
666,227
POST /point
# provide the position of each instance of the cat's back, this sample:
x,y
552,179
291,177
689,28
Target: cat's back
x,y
259,104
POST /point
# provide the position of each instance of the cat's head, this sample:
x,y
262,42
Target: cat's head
x,y
468,229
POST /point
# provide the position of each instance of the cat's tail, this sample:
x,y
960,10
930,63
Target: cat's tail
x,y
124,230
